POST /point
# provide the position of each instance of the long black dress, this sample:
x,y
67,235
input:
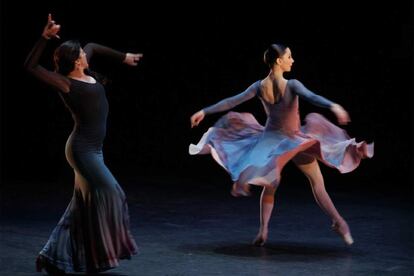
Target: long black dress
x,y
93,233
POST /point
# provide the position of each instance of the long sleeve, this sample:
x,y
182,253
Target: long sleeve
x,y
233,101
92,49
299,89
53,79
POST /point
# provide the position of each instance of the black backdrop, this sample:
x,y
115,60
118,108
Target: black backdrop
x,y
359,56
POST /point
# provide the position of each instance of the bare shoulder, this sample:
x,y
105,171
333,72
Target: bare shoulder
x,y
265,84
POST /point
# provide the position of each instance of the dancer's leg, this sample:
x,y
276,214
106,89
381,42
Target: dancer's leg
x,y
309,166
266,207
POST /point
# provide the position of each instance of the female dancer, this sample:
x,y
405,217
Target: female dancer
x,y
93,233
256,154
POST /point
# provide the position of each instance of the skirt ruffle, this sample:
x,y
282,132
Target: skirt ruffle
x,y
252,154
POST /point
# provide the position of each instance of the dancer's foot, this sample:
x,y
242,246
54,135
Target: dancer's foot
x,y
41,264
342,228
260,239
236,191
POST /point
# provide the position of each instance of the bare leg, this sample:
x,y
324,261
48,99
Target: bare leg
x,y
312,171
266,207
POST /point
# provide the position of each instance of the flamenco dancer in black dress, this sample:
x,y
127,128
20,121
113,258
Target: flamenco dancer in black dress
x,y
93,233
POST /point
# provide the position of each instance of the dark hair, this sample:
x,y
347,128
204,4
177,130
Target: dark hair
x,y
66,55
272,53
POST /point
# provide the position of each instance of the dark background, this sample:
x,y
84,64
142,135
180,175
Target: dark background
x,y
195,55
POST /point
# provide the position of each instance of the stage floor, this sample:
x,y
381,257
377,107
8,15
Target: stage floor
x,y
198,229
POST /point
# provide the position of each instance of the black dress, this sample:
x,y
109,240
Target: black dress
x,y
93,233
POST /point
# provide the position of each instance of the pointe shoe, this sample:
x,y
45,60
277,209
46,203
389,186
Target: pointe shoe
x,y
343,231
237,192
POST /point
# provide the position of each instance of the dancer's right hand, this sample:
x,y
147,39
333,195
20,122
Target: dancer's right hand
x,y
51,29
197,118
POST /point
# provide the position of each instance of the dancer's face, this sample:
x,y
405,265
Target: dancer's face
x,y
286,61
82,61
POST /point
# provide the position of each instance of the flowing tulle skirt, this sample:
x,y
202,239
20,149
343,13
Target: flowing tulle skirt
x,y
254,154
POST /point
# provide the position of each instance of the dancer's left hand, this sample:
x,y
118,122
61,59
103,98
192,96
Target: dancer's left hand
x,y
341,114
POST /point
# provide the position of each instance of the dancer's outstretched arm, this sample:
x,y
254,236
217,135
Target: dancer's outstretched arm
x,y
225,104
299,89
93,49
